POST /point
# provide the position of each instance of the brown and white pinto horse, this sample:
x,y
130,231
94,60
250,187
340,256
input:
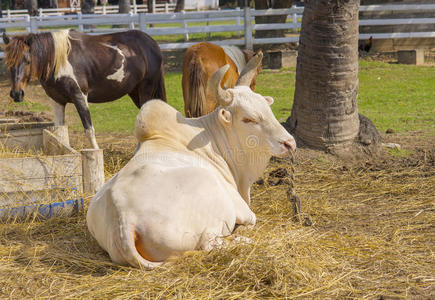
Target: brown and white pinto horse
x,y
77,68
200,62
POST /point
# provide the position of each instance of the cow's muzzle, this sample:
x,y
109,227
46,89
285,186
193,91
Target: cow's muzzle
x,y
284,148
290,144
18,96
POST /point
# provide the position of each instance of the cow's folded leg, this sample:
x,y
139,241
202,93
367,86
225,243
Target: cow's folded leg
x,y
239,239
244,215
209,242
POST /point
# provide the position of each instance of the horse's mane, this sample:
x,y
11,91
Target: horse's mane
x,y
62,46
237,56
48,52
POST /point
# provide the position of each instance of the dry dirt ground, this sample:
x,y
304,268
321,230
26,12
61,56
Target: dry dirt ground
x,y
372,235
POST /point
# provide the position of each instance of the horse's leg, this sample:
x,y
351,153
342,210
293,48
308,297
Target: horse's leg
x,y
59,113
146,91
81,105
134,95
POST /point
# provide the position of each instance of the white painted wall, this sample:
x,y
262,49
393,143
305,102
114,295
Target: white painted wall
x,y
203,4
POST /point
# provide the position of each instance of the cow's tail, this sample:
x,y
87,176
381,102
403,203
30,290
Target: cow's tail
x,y
159,90
194,105
127,239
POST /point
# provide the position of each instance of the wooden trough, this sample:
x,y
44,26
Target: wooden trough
x,y
36,183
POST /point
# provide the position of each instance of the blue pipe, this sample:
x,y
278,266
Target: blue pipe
x,y
44,211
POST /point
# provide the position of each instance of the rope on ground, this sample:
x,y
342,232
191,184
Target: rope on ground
x,y
293,198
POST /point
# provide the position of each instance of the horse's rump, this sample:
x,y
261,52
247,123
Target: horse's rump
x,y
199,63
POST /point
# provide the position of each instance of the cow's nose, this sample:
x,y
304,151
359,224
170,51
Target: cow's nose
x,y
290,144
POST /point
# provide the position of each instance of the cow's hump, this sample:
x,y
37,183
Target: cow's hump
x,y
156,118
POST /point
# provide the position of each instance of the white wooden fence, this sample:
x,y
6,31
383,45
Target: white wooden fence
x,y
105,9
235,21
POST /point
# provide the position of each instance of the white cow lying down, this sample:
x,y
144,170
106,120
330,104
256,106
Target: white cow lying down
x,y
188,184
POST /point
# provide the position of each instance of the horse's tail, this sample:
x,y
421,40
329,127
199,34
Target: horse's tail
x,y
160,91
194,89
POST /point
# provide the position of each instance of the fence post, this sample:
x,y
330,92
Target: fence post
x,y
80,18
28,28
40,13
61,131
295,20
134,7
142,24
238,20
186,35
104,9
166,7
208,24
131,20
248,28
33,25
93,169
154,6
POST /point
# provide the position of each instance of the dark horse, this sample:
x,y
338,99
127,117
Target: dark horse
x,y
77,68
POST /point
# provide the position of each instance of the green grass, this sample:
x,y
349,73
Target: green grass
x,y
399,152
393,96
396,96
119,116
25,106
281,86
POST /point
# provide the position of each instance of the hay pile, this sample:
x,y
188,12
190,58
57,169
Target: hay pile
x,y
26,116
372,236
18,152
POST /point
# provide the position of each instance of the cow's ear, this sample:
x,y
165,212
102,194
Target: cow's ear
x,y
269,100
225,116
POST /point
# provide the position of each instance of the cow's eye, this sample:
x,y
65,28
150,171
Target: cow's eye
x,y
249,120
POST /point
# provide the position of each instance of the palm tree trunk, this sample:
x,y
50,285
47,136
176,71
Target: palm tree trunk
x,y
1,16
266,4
124,6
150,9
88,6
179,6
32,7
150,6
242,3
325,111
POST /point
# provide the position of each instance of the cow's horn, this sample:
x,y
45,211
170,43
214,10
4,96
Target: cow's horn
x,y
250,70
223,97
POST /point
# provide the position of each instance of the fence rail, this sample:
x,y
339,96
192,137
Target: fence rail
x,y
186,23
105,9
